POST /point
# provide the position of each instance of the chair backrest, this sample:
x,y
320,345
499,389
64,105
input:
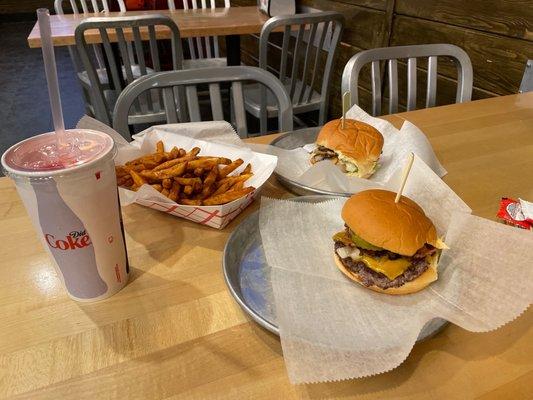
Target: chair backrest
x,y
171,82
302,66
350,75
84,7
206,47
128,32
527,80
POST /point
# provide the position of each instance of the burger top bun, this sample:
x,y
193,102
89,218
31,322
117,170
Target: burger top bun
x,y
357,140
401,227
429,275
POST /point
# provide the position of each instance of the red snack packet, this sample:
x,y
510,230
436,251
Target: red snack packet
x,y
511,213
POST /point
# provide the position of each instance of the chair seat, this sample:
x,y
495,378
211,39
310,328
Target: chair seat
x,y
205,63
104,80
136,116
252,96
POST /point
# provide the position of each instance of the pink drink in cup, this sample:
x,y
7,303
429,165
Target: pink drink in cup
x,y
71,198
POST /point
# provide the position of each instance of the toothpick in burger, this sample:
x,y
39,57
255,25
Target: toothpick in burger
x,y
387,247
355,148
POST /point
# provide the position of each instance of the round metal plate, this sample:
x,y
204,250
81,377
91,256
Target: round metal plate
x,y
248,275
293,140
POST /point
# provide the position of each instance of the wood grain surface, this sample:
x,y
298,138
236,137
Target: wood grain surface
x,y
512,18
498,61
192,23
497,35
174,332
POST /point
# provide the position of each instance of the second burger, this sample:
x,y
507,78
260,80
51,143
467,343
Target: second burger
x,y
355,148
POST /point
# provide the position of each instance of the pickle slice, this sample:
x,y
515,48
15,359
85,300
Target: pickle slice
x,y
354,239
342,237
363,243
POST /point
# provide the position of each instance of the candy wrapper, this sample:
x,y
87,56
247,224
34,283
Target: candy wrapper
x,y
213,138
398,144
332,328
512,213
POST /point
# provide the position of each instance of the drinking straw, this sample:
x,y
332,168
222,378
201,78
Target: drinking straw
x,y
43,16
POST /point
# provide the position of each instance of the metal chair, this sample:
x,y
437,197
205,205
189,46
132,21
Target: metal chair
x,y
204,51
127,32
168,82
527,80
84,7
302,69
350,75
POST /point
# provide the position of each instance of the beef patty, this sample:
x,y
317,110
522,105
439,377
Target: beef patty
x,y
369,277
322,153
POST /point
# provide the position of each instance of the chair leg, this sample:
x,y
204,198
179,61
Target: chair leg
x,y
179,94
86,93
263,112
300,122
89,108
263,124
322,115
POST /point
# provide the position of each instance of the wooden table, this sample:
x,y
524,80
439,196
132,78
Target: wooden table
x,y
229,22
175,332
191,23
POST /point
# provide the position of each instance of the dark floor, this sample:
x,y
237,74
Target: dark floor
x,y
24,105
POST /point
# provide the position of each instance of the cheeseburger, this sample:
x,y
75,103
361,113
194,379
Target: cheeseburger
x,y
355,148
387,247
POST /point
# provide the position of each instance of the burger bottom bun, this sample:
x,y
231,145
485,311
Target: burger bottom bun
x,y
429,275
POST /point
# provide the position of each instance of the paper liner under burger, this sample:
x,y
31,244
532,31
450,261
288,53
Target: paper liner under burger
x,y
332,328
398,144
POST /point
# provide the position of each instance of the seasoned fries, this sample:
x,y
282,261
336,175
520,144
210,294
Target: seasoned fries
x,y
137,179
228,169
185,177
227,197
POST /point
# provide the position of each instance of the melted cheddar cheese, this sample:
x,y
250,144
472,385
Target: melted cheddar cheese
x,y
441,245
390,268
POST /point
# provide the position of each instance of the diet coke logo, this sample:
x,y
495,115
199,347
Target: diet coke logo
x,y
74,240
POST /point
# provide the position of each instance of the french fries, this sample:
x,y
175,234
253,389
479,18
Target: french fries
x,y
227,197
228,169
187,181
174,191
183,158
167,183
185,177
137,179
172,172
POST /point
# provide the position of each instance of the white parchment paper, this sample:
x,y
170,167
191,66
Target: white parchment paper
x,y
295,165
332,328
527,209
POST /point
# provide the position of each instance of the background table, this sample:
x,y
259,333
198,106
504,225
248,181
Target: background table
x,y
175,332
191,23
229,22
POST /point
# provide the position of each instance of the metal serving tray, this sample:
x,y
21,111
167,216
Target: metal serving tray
x,y
248,276
293,140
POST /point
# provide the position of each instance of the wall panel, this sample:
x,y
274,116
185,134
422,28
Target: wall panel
x,y
496,34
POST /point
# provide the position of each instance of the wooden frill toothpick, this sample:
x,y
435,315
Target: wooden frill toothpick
x,y
345,106
406,171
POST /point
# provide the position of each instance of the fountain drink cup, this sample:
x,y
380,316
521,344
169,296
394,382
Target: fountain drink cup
x,y
72,201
